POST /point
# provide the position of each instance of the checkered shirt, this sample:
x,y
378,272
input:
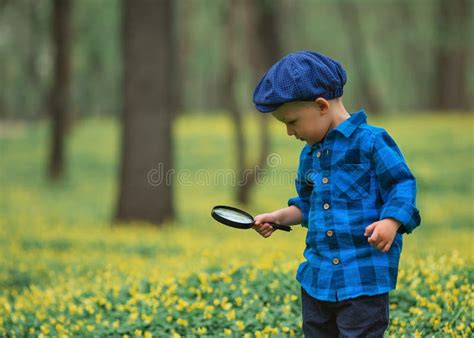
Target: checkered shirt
x,y
355,176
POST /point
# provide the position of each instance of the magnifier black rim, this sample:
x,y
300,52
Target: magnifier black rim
x,y
229,222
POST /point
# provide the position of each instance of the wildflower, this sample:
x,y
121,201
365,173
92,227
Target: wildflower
x,y
44,328
240,325
230,315
182,322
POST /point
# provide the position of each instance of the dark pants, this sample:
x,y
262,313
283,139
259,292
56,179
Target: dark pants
x,y
364,316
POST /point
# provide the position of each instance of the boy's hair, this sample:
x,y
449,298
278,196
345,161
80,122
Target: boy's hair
x,y
299,76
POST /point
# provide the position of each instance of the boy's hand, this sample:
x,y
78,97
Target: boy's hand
x,y
261,224
382,233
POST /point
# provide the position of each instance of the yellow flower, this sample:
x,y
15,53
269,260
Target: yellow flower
x,y
44,328
182,322
146,318
230,315
138,333
240,325
148,334
202,330
227,332
60,328
90,328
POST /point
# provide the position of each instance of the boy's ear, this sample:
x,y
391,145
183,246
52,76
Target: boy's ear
x,y
322,104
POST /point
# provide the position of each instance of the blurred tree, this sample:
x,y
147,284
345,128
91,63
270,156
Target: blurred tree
x,y
261,49
230,79
367,92
452,55
148,111
60,91
264,49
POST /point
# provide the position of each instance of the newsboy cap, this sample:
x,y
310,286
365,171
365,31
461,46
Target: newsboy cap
x,y
299,76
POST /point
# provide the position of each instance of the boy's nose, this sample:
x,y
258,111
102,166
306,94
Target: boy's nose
x,y
289,131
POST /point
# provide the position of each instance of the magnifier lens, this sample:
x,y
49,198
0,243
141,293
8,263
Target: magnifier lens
x,y
233,215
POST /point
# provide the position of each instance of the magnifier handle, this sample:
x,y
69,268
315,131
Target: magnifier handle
x,y
281,227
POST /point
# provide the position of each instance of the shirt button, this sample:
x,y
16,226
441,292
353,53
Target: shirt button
x,y
329,233
326,206
318,154
325,180
335,261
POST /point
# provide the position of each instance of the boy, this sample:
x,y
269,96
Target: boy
x,y
356,196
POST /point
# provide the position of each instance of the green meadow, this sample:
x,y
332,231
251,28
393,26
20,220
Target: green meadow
x,y
66,271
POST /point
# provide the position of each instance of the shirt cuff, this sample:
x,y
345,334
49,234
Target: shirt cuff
x,y
297,202
403,212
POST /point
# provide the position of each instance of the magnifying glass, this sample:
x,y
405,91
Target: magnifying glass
x,y
239,219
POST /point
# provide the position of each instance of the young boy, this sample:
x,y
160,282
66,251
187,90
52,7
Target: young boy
x,y
356,196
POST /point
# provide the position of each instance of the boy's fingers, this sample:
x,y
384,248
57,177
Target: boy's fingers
x,y
266,232
386,247
262,228
380,245
374,237
369,229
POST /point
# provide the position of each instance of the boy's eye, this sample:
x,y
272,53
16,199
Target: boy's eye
x,y
291,122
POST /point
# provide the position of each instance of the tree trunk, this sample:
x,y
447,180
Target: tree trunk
x,y
60,91
451,56
230,78
264,49
368,92
146,164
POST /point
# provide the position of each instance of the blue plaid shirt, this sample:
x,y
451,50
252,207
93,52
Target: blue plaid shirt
x,y
355,176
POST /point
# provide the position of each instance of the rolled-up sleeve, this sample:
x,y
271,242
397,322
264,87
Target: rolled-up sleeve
x,y
396,182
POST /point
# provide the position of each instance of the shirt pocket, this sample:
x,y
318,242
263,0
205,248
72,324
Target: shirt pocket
x,y
352,181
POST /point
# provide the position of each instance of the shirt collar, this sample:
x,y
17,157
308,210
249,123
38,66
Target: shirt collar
x,y
347,127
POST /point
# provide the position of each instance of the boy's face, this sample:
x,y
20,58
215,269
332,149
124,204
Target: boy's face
x,y
304,120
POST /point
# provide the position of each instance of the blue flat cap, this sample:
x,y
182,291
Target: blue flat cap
x,y
299,76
